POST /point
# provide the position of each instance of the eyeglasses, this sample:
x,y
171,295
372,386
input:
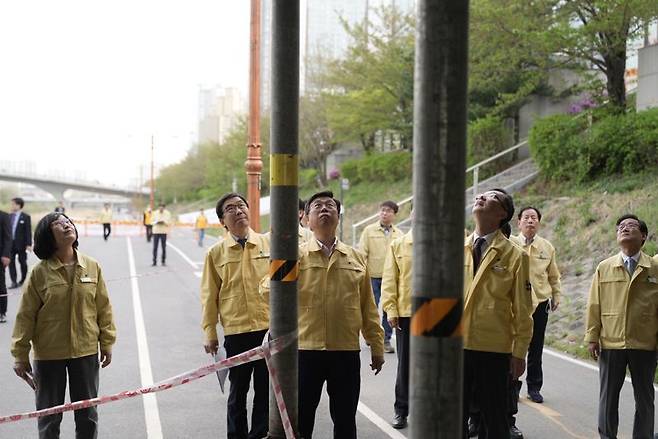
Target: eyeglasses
x,y
233,208
491,195
61,223
632,225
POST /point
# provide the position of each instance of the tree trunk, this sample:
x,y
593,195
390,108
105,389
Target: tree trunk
x,y
615,69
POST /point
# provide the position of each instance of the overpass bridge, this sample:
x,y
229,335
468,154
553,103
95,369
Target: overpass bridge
x,y
57,186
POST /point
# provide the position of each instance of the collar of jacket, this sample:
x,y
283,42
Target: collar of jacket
x,y
54,263
313,246
251,239
498,240
645,261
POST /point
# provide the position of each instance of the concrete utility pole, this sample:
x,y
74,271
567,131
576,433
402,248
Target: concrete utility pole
x,y
284,193
254,164
152,194
439,162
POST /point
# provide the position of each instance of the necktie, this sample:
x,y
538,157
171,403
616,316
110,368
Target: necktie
x,y
477,254
242,241
630,265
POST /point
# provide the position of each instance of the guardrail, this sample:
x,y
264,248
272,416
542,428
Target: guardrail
x,y
475,169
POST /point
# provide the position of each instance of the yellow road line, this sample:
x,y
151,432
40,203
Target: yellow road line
x,y
552,416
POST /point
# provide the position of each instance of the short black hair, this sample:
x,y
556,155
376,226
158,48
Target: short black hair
x,y
219,208
302,204
322,194
19,201
44,240
524,208
643,226
508,204
391,204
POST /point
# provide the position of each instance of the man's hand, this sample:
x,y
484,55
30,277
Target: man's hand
x,y
5,261
211,346
555,302
594,349
106,357
394,322
24,371
377,363
516,367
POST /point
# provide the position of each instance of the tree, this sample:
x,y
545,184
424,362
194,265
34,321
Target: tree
x,y
597,33
316,139
371,89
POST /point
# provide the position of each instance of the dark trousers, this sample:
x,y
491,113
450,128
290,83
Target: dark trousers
x,y
486,379
376,283
149,233
401,405
612,371
535,376
342,372
107,229
50,377
3,290
161,238
240,378
22,260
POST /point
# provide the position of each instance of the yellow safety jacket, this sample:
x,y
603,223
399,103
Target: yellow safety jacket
x,y
544,274
106,216
229,286
498,300
161,221
148,220
374,244
63,319
201,222
622,311
336,301
396,281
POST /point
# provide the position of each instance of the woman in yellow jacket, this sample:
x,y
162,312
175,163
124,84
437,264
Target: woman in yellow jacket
x,y
64,316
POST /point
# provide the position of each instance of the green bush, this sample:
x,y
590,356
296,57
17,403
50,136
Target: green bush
x,y
566,149
486,137
383,167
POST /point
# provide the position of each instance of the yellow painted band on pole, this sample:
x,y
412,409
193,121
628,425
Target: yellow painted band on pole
x,y
284,170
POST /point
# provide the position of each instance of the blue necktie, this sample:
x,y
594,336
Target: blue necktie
x,y
242,241
630,265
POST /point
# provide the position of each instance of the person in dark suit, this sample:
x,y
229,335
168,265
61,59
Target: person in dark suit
x,y
21,235
5,252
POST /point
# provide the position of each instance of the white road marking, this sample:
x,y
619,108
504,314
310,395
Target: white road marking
x,y
379,422
151,413
184,256
582,363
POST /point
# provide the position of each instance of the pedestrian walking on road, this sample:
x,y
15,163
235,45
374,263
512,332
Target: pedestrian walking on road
x,y
374,244
497,319
396,303
106,220
64,318
230,296
200,226
622,328
335,305
148,223
21,235
161,223
5,253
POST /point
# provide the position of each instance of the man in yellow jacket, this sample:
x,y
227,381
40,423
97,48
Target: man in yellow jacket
x,y
200,225
106,220
161,224
147,220
374,243
335,304
497,322
229,296
545,280
396,303
622,328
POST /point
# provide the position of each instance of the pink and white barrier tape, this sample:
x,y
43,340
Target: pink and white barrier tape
x,y
265,351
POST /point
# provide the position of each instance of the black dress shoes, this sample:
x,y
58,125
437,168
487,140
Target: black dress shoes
x,y
399,422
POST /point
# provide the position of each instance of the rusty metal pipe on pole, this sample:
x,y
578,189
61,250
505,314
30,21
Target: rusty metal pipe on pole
x,y
440,85
284,193
254,164
152,192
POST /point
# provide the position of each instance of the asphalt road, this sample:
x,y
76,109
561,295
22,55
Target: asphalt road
x,y
168,333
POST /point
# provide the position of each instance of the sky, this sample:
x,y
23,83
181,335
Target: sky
x,y
84,84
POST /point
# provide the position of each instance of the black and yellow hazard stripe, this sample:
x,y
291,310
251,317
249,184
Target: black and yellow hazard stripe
x,y
436,317
284,270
